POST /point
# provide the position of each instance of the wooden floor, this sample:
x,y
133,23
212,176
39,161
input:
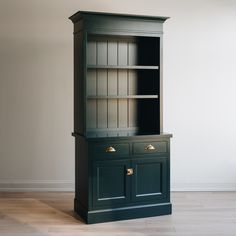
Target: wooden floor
x,y
43,214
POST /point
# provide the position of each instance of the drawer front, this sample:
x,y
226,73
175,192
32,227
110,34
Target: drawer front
x,y
109,149
149,147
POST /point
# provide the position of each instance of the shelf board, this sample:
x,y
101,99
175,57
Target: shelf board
x,y
123,96
102,130
122,67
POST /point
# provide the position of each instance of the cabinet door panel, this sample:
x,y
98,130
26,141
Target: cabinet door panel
x,y
150,179
111,185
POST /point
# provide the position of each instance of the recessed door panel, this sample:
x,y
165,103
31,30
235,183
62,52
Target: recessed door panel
x,y
111,185
149,179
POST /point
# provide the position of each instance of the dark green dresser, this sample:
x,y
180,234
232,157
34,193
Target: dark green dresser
x,y
122,156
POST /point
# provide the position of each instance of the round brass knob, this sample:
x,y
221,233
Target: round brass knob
x,y
129,171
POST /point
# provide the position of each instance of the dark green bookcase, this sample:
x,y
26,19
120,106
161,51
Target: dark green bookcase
x,y
122,156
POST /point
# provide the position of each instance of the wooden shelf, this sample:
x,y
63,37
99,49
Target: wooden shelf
x,y
124,97
123,67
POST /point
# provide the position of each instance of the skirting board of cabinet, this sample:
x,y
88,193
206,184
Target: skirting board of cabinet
x,y
123,213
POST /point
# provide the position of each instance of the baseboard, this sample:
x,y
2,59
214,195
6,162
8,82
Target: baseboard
x,y
21,185
194,187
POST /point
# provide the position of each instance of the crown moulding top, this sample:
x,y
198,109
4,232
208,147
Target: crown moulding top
x,y
80,14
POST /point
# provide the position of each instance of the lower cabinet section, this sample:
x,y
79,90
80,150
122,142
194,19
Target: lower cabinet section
x,y
122,185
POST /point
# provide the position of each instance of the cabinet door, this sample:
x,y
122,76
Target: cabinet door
x,y
150,180
111,184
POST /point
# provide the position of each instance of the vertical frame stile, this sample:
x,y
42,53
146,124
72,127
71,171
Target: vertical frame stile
x,y
85,40
161,83
128,85
75,120
107,91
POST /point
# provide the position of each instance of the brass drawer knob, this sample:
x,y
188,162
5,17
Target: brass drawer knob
x,y
129,171
110,149
150,147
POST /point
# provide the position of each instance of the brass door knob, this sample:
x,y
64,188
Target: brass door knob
x,y
150,147
129,171
110,149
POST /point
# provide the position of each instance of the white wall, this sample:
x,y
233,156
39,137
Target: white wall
x,y
36,90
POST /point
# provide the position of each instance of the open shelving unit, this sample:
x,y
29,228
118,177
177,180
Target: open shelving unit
x,y
122,85
122,156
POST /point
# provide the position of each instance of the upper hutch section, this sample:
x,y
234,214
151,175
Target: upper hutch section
x,y
117,74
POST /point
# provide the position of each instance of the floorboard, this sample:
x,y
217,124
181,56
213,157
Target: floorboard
x,y
51,214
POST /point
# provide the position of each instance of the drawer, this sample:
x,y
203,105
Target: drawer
x,y
150,147
109,149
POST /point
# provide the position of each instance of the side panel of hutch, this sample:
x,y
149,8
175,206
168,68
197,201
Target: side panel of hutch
x,y
122,156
